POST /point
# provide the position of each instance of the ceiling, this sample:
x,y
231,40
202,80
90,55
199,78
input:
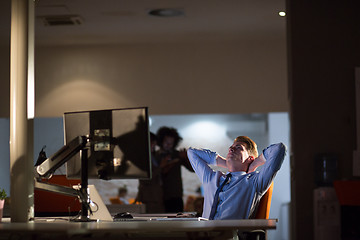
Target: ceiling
x,y
128,21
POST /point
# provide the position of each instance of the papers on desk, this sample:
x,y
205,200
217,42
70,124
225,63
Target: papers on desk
x,y
160,219
188,216
180,219
135,219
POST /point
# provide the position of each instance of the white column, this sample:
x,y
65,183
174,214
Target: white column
x,y
21,162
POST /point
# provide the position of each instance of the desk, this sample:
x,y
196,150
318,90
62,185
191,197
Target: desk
x,y
215,229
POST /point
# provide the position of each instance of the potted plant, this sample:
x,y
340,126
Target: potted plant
x,y
2,201
3,194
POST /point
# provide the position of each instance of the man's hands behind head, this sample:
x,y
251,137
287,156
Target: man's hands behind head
x,y
260,160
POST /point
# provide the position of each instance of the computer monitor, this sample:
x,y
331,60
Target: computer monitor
x,y
119,145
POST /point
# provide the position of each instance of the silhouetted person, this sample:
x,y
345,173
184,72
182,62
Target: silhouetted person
x,y
150,191
171,161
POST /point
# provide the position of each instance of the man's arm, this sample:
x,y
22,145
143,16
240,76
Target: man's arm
x,y
200,160
185,160
260,160
221,161
274,156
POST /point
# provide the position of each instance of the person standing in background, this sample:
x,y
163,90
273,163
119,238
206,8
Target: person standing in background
x,y
122,194
150,191
171,161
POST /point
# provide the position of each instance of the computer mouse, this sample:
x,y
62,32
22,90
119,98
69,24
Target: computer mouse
x,y
123,215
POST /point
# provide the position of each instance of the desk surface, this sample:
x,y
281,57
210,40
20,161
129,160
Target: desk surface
x,y
222,229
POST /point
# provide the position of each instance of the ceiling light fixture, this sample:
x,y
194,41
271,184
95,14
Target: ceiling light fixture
x,y
166,12
282,14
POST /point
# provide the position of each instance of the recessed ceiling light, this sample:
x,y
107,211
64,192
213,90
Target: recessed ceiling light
x,y
282,14
166,12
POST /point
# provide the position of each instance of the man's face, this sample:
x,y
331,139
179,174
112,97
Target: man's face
x,y
238,152
168,143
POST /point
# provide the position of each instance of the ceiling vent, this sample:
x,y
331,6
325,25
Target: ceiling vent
x,y
63,20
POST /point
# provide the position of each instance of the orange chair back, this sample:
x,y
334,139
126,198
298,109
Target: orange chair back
x,y
115,200
263,210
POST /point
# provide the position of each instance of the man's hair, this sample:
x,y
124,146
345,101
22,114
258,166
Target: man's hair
x,y
251,146
169,132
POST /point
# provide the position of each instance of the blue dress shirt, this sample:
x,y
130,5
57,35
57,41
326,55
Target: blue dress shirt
x,y
239,198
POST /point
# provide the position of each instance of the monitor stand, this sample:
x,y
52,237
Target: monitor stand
x,y
48,166
85,206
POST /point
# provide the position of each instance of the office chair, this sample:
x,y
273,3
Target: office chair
x,y
263,209
115,200
262,212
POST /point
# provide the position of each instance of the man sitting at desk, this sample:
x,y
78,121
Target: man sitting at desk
x,y
235,195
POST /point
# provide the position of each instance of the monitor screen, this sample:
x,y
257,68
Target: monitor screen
x,y
118,145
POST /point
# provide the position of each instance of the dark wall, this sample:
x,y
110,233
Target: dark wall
x,y
5,81
323,51
5,8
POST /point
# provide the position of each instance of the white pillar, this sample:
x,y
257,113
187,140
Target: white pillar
x,y
21,162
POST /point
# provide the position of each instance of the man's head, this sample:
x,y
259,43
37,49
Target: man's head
x,y
241,154
250,145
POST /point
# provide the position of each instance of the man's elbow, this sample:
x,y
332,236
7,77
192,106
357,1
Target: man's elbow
x,y
282,148
190,152
280,154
